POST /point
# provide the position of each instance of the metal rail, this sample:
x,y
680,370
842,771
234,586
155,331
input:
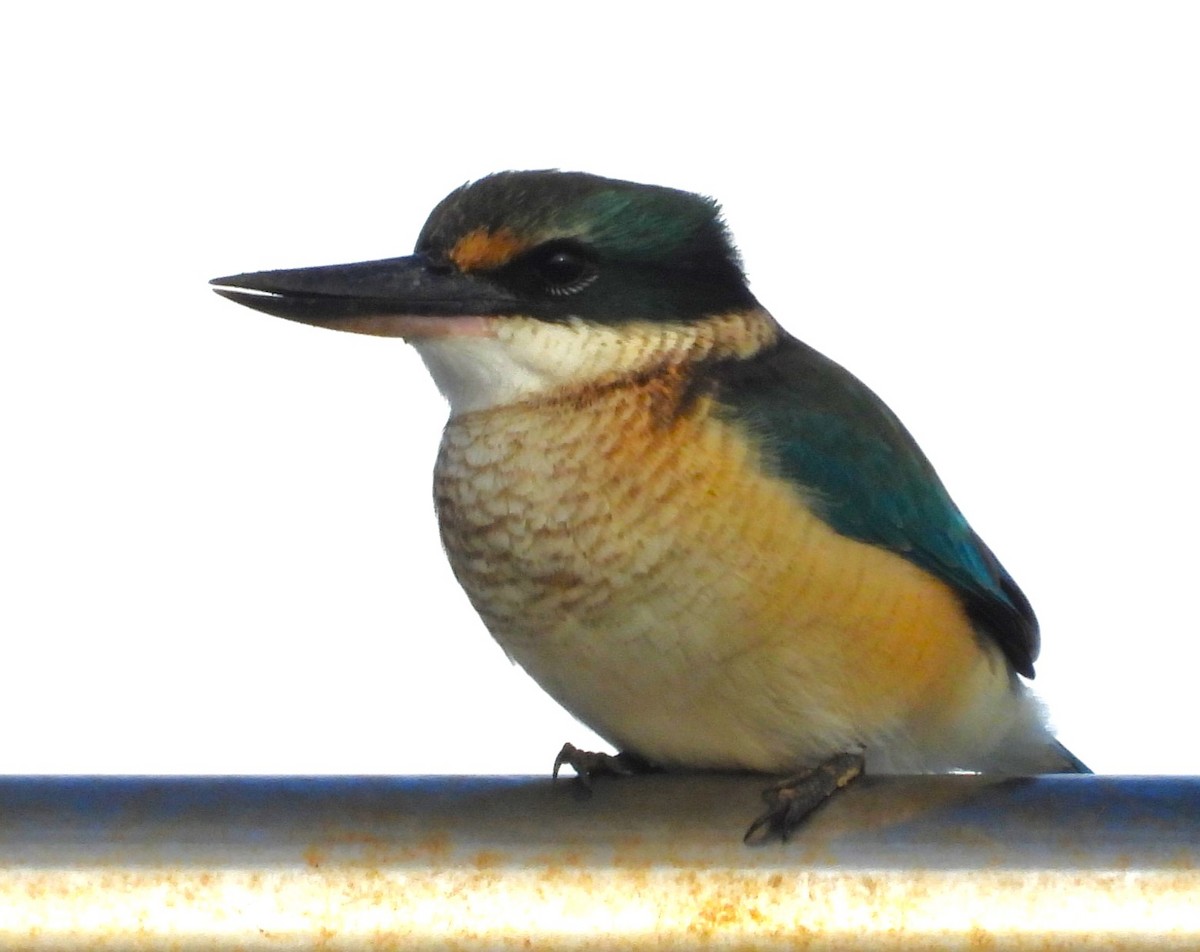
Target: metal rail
x,y
950,862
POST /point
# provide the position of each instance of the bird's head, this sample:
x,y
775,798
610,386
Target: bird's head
x,y
527,282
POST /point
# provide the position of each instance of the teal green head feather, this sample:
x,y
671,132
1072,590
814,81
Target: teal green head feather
x,y
534,292
573,245
618,221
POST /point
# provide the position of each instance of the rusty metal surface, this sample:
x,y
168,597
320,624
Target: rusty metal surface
x,y
474,863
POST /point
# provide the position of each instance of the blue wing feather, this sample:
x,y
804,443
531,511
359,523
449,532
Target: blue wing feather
x,y
866,477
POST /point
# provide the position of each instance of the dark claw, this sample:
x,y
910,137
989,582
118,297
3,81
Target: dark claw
x,y
790,801
588,765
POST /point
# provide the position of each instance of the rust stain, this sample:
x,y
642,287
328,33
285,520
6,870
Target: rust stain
x,y
489,859
314,856
368,850
456,907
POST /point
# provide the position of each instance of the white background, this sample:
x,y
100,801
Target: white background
x,y
217,547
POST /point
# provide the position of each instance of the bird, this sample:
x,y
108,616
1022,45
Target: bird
x,y
707,541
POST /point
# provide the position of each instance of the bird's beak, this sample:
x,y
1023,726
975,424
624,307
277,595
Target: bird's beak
x,y
396,297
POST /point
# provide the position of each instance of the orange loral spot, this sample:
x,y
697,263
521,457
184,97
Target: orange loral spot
x,y
480,249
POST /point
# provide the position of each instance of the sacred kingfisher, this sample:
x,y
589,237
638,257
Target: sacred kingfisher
x,y
707,541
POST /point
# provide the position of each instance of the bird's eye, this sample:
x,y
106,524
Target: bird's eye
x,y
565,269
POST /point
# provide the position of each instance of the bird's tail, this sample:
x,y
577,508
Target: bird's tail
x,y
1068,762
1029,746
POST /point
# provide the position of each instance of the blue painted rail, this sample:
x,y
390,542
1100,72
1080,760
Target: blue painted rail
x,y
657,861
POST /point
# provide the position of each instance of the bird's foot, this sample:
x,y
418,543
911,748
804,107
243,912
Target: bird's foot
x,y
791,800
588,765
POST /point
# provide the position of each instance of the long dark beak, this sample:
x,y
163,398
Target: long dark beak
x,y
389,297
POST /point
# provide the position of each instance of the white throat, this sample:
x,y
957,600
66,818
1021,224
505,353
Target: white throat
x,y
525,359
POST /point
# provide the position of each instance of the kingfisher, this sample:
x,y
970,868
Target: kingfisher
x,y
708,542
